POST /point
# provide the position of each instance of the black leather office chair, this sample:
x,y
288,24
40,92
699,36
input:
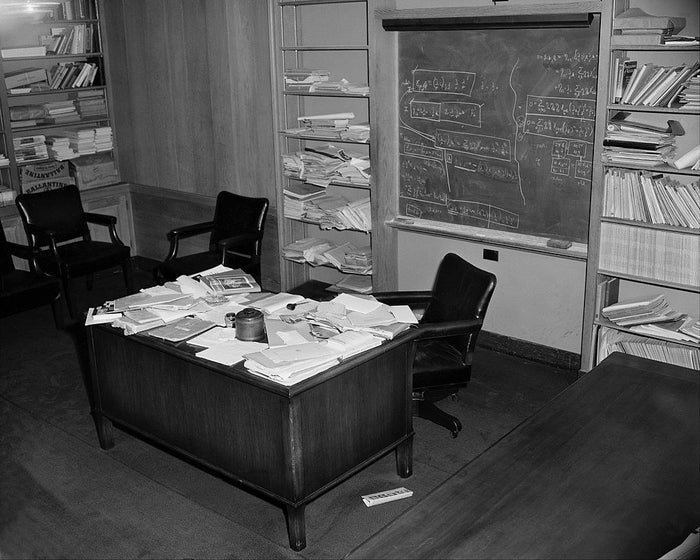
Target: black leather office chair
x,y
453,316
235,239
21,290
58,234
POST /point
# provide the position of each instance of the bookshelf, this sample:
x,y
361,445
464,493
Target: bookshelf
x,y
321,69
54,98
644,234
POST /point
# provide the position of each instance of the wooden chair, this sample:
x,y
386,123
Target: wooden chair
x,y
21,290
235,239
58,234
453,316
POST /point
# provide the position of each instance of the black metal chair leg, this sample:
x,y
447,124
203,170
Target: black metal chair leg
x,y
428,410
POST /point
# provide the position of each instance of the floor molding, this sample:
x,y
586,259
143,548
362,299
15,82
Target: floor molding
x,y
531,351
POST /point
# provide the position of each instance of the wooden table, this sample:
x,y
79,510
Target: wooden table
x,y
608,469
289,443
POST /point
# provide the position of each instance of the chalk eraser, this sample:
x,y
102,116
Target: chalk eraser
x,y
559,243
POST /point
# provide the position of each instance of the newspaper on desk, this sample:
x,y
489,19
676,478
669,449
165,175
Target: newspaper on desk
x,y
304,337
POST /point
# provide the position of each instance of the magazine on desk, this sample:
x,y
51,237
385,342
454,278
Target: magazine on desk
x,y
230,282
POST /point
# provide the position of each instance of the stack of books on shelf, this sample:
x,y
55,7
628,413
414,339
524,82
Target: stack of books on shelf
x,y
319,252
91,104
636,27
59,148
61,112
30,148
19,52
669,256
301,79
23,116
89,140
611,340
650,84
645,197
22,80
637,143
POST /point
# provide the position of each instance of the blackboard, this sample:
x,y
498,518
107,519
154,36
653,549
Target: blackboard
x,y
496,128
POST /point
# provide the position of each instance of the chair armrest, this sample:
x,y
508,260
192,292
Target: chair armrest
x,y
190,230
99,219
451,328
174,236
409,297
239,239
20,251
107,221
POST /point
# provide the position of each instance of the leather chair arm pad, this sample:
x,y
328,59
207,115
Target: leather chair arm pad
x,y
438,330
405,297
20,251
100,219
239,239
190,230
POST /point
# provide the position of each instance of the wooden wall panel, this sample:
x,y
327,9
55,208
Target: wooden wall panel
x,y
192,105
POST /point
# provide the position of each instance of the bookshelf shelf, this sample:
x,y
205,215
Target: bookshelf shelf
x,y
63,86
323,138
642,258
325,94
657,48
647,225
646,109
324,48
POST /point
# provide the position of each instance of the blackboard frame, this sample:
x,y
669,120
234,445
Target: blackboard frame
x,y
386,169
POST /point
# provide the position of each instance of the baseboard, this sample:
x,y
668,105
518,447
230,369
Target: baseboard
x,y
531,351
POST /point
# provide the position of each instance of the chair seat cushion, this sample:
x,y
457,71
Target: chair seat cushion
x,y
21,290
83,257
437,363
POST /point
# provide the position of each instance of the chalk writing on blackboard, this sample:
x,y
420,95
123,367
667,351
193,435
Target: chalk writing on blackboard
x,y
496,128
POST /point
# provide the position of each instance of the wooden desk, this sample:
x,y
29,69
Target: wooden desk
x,y
290,443
610,468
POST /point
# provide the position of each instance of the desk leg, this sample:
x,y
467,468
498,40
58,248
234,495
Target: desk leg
x,y
296,527
404,458
105,433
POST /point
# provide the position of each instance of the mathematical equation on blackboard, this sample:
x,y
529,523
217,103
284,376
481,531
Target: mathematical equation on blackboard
x,y
496,128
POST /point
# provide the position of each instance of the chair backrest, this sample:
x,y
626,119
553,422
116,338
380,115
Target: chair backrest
x,y
236,213
6,263
461,291
59,210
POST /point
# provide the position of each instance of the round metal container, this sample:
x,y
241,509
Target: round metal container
x,y
250,325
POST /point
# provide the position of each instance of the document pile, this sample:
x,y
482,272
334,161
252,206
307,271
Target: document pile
x,y
173,302
333,211
321,252
303,337
636,143
653,316
327,164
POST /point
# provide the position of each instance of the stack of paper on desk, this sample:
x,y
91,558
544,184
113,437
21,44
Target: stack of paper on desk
x,y
293,360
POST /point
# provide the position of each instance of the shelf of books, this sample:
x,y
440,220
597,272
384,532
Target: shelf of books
x,y
321,72
55,97
646,268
